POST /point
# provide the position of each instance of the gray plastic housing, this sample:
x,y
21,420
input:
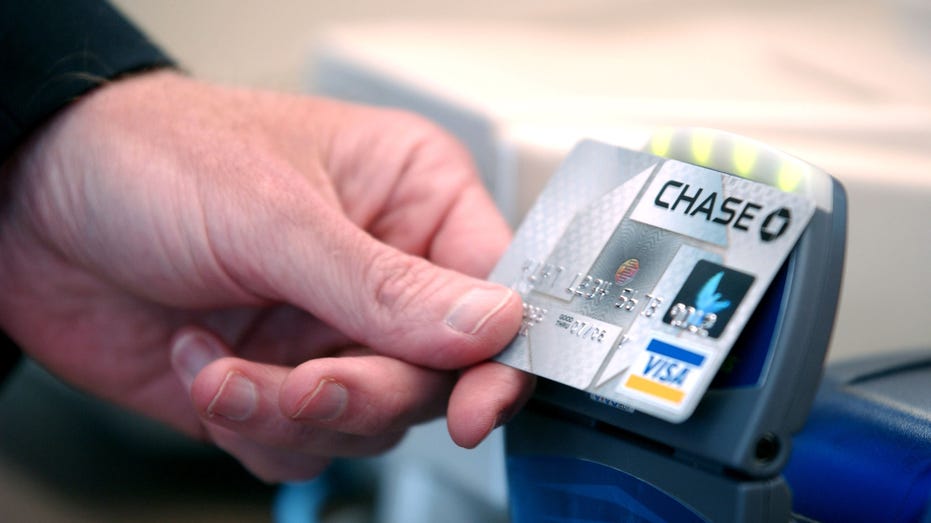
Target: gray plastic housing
x,y
708,494
746,430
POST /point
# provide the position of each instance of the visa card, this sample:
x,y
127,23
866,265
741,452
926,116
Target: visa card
x,y
638,274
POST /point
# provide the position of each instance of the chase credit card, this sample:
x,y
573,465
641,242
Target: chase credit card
x,y
638,273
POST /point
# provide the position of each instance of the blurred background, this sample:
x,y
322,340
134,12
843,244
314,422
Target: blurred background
x,y
843,84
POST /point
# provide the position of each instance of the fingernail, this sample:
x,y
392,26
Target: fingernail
x,y
191,352
325,403
475,307
236,400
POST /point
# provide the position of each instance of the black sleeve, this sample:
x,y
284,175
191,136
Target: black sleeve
x,y
51,52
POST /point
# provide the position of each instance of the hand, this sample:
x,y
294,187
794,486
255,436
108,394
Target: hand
x,y
300,264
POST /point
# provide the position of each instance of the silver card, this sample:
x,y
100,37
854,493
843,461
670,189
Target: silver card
x,y
638,273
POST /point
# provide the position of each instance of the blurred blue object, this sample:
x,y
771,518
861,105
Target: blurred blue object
x,y
865,452
301,502
558,489
427,478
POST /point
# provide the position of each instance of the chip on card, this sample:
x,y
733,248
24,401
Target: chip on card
x,y
638,274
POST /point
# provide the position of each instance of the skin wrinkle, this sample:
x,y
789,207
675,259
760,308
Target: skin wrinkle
x,y
391,127
198,281
365,216
178,204
444,218
395,276
263,340
79,322
249,296
40,218
62,242
272,218
391,410
423,246
150,394
200,236
151,365
253,325
397,179
328,265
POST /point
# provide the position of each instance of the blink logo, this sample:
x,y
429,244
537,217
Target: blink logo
x,y
708,299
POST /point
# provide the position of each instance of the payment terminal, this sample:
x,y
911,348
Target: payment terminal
x,y
678,304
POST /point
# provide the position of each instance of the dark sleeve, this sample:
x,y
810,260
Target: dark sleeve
x,y
51,52
9,358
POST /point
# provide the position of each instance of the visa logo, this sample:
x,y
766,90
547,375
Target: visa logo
x,y
669,364
666,371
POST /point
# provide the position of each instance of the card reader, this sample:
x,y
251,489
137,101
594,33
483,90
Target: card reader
x,y
707,251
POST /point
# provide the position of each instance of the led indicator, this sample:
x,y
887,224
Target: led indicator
x,y
702,143
661,142
790,175
744,158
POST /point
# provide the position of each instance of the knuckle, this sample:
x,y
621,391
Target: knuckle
x,y
398,282
299,435
423,137
383,443
371,419
411,124
390,276
389,415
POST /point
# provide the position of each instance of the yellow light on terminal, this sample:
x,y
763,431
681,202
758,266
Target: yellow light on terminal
x,y
661,142
790,175
744,158
702,142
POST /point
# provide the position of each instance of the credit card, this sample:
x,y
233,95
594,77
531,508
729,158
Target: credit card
x,y
638,274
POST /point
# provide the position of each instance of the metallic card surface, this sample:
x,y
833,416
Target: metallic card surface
x,y
638,273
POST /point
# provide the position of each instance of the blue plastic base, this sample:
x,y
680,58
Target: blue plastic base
x,y
865,453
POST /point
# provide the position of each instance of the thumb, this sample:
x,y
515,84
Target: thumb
x,y
399,305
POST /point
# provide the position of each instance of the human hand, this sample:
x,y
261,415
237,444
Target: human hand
x,y
299,263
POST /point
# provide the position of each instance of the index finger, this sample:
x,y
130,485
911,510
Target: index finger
x,y
472,236
415,187
485,397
